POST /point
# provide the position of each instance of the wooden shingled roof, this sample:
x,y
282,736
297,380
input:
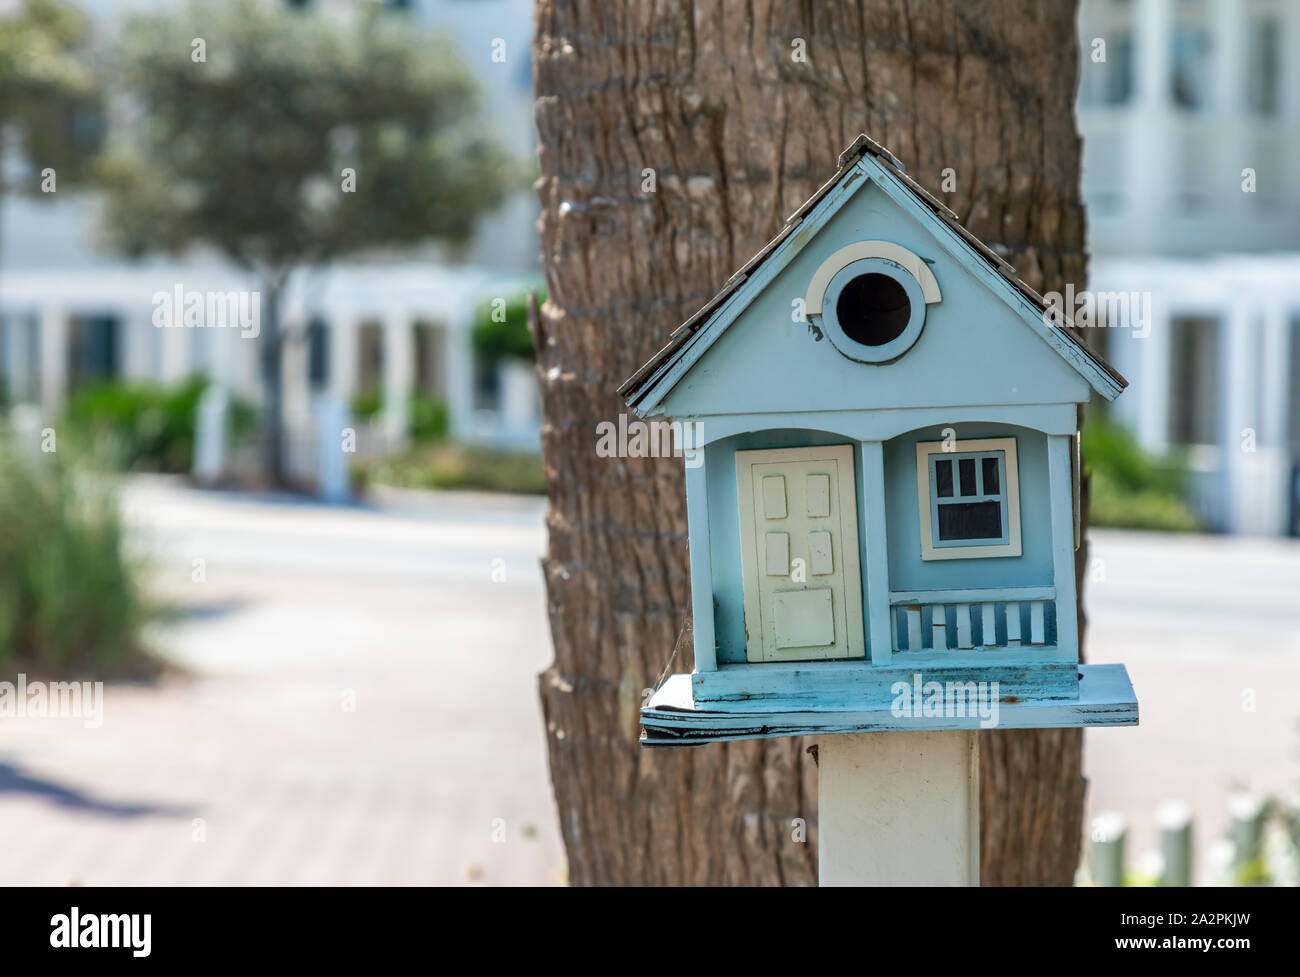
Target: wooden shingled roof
x,y
637,384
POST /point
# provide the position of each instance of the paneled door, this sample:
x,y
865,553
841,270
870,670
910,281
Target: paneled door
x,y
799,554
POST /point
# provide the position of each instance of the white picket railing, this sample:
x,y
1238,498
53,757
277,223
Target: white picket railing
x,y
995,618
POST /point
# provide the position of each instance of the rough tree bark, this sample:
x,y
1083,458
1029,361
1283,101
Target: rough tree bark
x,y
674,140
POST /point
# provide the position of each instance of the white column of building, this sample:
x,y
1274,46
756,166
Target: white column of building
x,y
459,356
332,409
174,344
1289,94
1233,145
1150,163
139,341
246,365
222,369
297,390
344,340
54,358
1274,395
399,373
460,373
1239,364
1148,411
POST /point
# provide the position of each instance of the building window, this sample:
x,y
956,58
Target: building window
x,y
318,354
1195,390
1190,67
1107,83
1262,66
92,350
370,356
430,368
968,498
1293,403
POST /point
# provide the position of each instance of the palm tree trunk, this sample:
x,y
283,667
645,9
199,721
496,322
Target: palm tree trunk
x,y
674,141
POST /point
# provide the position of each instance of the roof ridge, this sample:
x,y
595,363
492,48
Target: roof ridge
x,y
862,145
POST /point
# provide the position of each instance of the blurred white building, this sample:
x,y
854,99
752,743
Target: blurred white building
x,y
71,315
1190,117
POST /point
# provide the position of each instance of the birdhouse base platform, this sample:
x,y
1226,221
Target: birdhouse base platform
x,y
673,717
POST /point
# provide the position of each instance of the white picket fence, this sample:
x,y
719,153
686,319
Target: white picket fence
x,y
972,619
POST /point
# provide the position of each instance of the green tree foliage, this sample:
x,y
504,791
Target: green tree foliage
x,y
500,329
282,137
47,91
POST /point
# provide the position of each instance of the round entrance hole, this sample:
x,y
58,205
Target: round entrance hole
x,y
873,309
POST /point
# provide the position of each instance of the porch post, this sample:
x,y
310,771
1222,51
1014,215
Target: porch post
x,y
1060,475
398,375
697,521
899,808
54,358
344,328
1154,358
458,354
1239,369
880,633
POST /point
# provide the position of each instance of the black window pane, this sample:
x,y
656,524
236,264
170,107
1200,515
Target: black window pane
x,y
970,520
991,476
943,478
966,468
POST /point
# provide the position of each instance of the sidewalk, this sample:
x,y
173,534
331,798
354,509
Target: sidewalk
x,y
428,613
251,768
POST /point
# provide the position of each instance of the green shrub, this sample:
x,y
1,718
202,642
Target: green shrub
x,y
455,466
143,426
366,404
70,601
508,338
428,419
1130,489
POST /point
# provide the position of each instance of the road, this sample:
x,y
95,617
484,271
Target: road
x,y
355,699
1209,628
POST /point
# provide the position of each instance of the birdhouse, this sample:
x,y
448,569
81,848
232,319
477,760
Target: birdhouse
x,y
883,483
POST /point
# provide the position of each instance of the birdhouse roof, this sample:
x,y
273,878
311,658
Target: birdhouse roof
x,y
863,160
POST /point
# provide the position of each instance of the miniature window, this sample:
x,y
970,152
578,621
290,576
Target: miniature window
x,y
969,498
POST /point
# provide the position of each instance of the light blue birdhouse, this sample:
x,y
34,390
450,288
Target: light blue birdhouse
x,y
882,482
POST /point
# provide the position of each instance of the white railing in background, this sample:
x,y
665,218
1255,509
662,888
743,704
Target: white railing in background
x,y
994,618
1104,161
1171,181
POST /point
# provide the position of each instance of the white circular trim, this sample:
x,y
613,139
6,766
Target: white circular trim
x,y
897,346
913,263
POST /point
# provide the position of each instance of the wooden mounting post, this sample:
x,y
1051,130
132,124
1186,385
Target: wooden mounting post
x,y
899,808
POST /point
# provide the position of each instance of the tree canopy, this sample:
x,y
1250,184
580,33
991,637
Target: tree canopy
x,y
47,89
281,136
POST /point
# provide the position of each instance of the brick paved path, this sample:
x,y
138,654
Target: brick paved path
x,y
251,768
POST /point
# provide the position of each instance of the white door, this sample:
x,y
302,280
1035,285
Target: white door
x,y
799,554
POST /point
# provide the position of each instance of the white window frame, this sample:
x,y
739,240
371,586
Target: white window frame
x,y
924,495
